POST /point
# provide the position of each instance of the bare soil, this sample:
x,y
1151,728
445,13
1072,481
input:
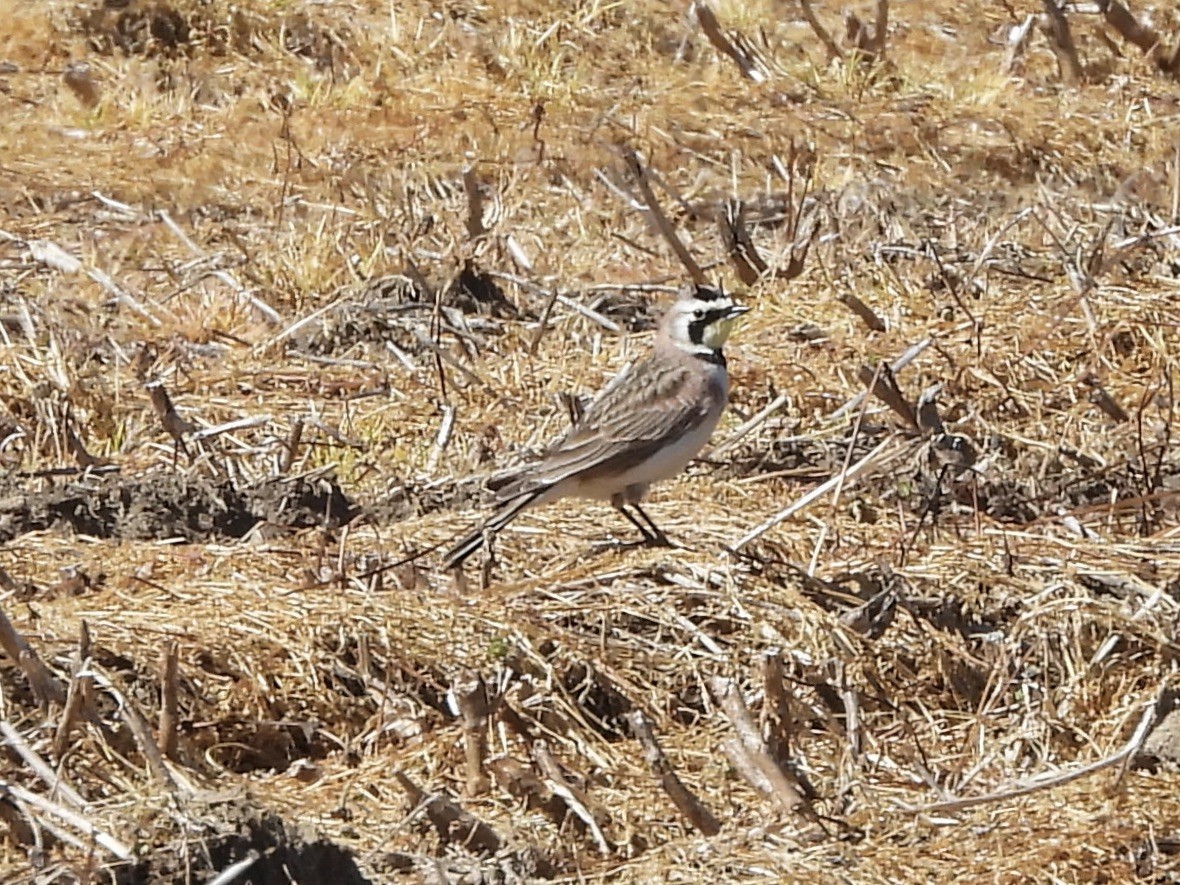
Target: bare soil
x,y
164,504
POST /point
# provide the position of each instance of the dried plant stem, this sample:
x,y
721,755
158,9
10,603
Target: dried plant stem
x,y
1121,19
721,42
445,356
47,687
752,424
1050,780
1017,43
169,664
574,798
55,256
176,426
72,818
139,727
778,706
471,186
736,753
911,354
663,224
268,313
291,449
735,236
471,695
1056,28
872,460
518,780
454,824
867,315
868,45
543,322
231,427
1102,398
685,801
881,383
43,769
234,871
729,696
824,35
880,28
77,697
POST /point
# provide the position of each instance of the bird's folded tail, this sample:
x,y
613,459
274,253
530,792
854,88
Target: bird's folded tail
x,y
474,539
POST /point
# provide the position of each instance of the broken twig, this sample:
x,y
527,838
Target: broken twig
x,y
685,801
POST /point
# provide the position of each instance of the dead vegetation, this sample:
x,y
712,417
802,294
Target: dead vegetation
x,y
280,287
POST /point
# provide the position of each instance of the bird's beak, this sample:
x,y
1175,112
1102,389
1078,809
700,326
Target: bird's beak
x,y
736,311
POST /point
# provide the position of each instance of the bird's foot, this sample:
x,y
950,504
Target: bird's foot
x,y
616,544
658,540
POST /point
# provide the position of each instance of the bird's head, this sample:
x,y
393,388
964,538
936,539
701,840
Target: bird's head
x,y
701,318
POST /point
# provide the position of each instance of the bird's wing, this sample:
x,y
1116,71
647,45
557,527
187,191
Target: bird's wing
x,y
630,423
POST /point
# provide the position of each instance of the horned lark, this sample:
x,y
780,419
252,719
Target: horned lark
x,y
645,427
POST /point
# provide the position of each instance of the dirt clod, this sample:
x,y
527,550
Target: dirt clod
x,y
164,504
283,856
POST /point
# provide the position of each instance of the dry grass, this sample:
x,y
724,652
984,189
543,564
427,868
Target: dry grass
x,y
1026,227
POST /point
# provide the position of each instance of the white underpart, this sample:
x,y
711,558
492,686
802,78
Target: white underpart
x,y
665,464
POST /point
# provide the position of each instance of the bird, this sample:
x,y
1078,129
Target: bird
x,y
643,428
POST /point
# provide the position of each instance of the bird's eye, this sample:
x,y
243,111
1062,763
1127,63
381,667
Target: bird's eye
x,y
698,313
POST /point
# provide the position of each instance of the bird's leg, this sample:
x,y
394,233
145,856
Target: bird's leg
x,y
648,537
656,537
931,508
